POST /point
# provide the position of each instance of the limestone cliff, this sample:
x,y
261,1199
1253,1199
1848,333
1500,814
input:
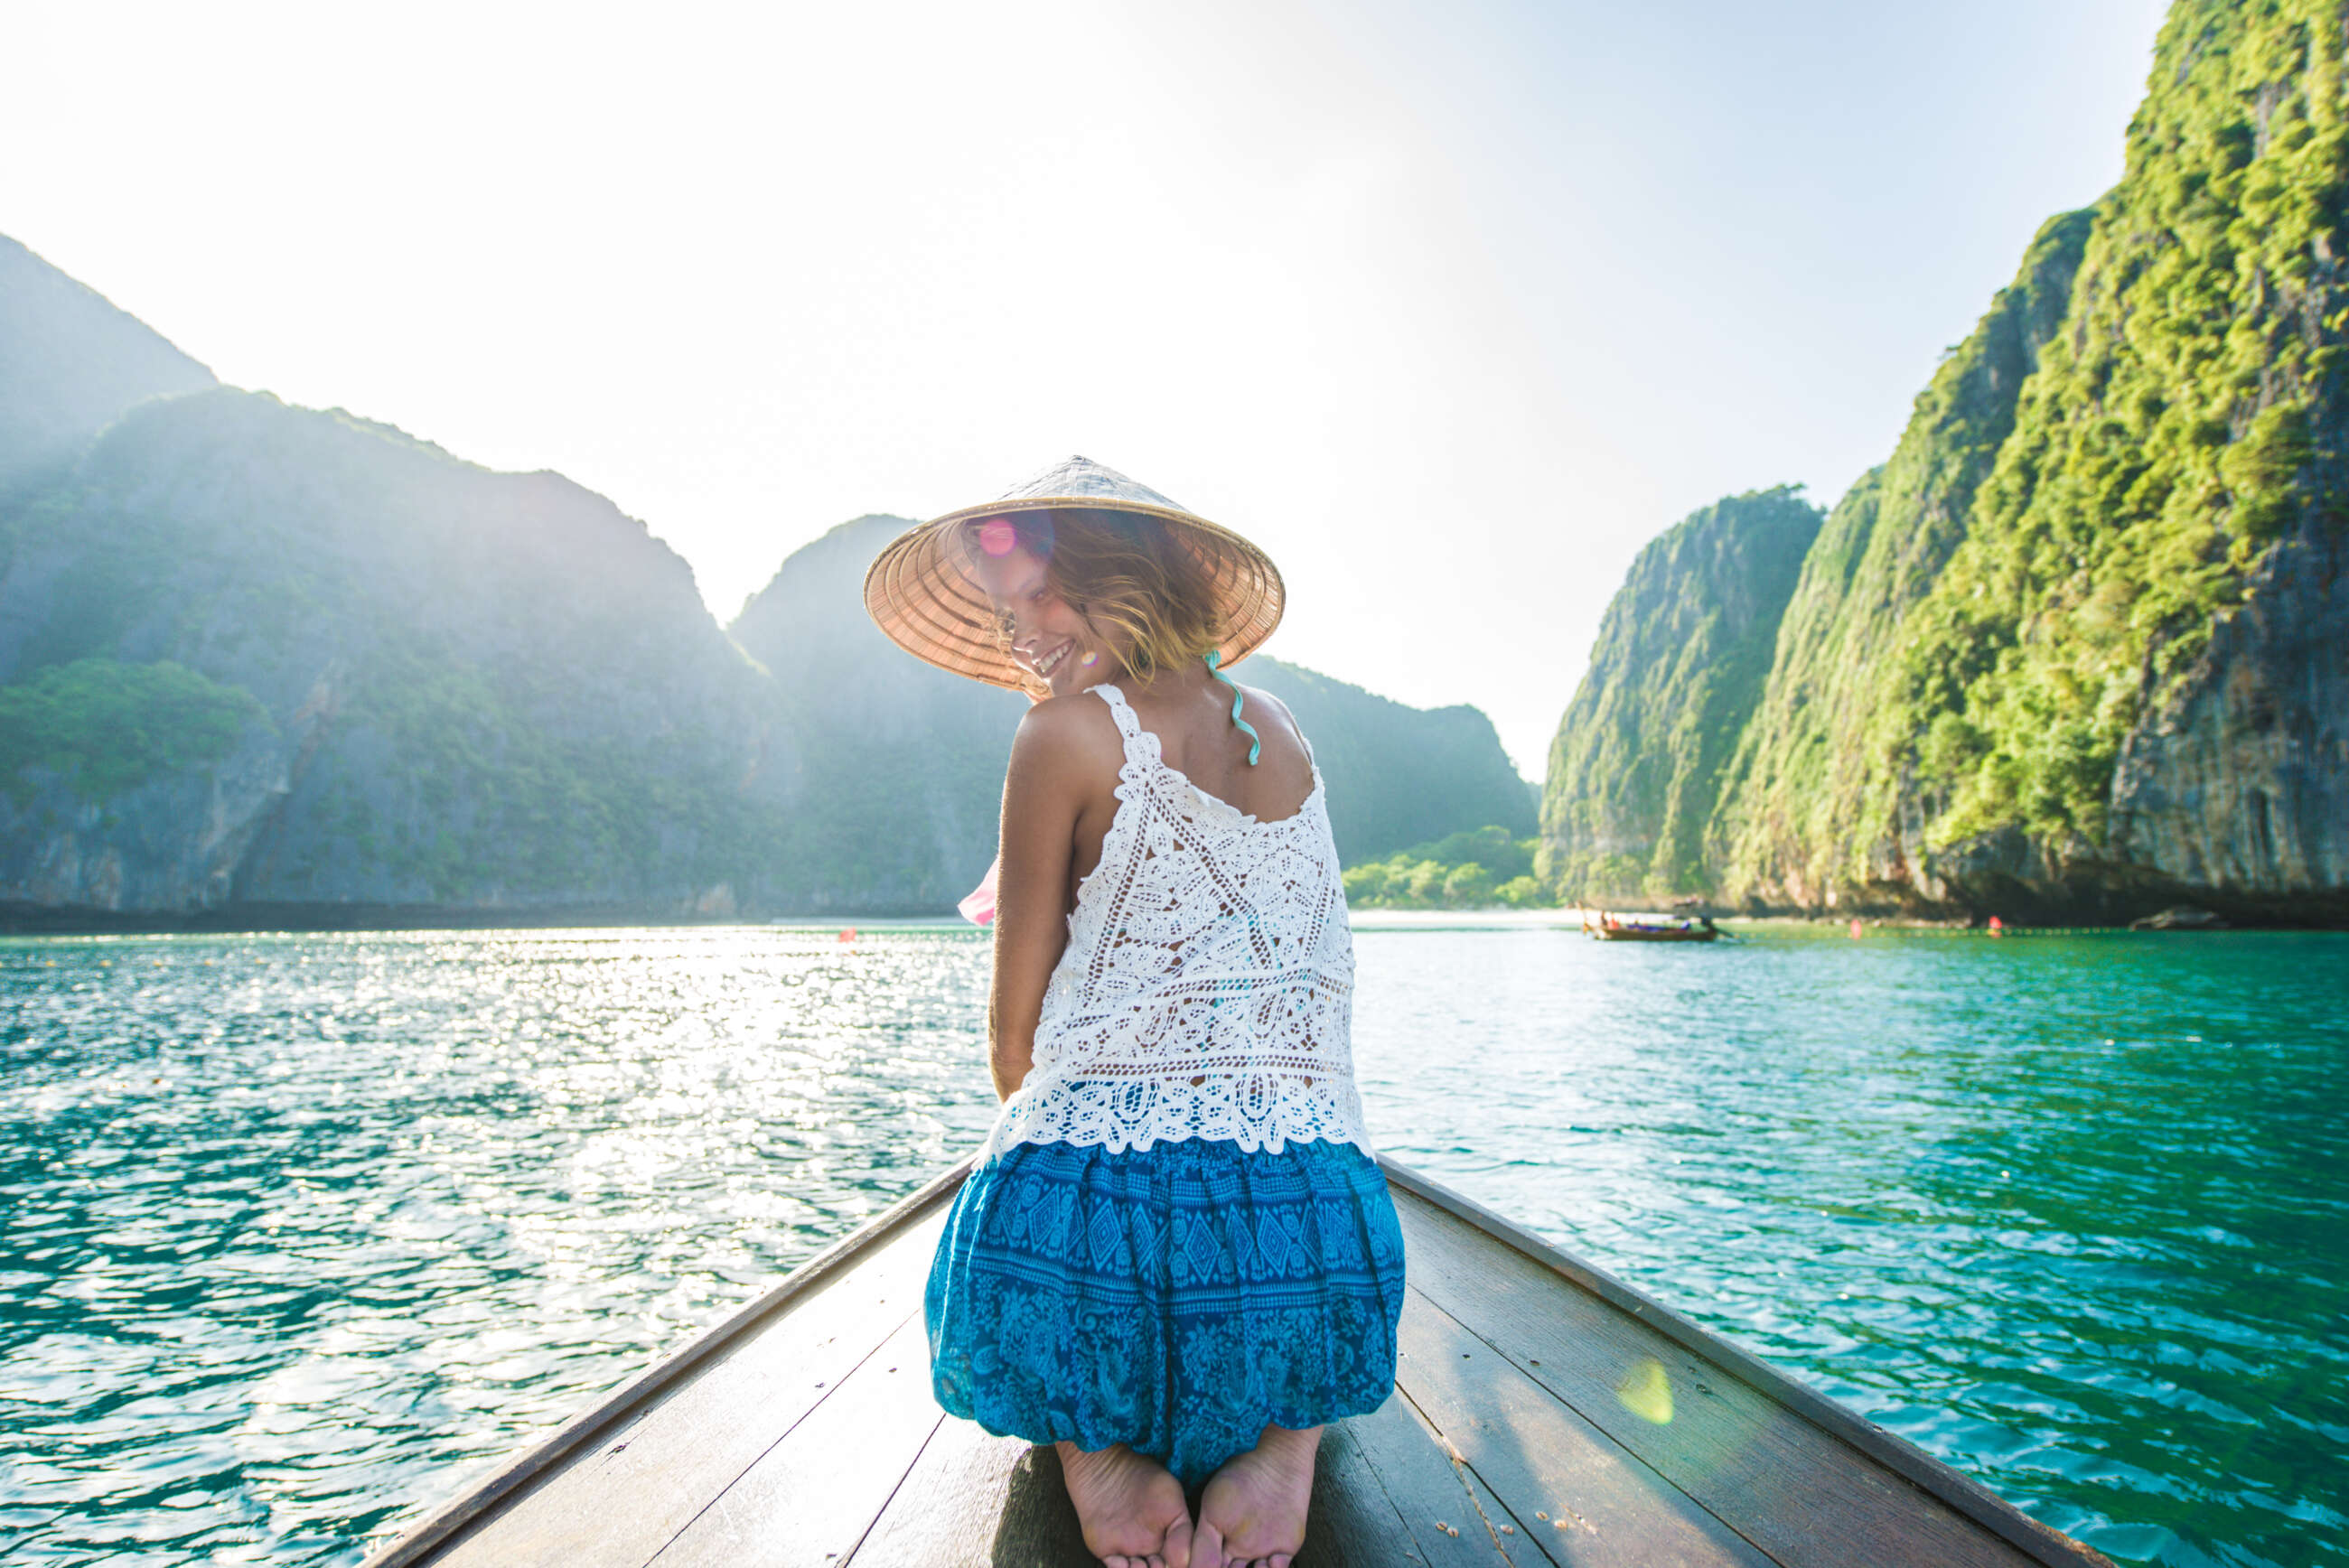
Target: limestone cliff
x,y
1681,655
898,778
1811,796
1398,776
2078,649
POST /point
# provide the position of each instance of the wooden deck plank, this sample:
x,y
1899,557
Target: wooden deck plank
x,y
974,1496
1798,1493
809,1500
621,1504
1428,1491
1352,1523
1540,1457
1529,1380
970,1487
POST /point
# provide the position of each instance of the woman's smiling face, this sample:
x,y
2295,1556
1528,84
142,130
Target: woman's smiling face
x,y
1048,638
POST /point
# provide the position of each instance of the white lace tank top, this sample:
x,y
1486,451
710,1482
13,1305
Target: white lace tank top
x,y
1207,988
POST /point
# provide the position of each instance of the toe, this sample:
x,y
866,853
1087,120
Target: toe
x,y
1178,1545
1208,1547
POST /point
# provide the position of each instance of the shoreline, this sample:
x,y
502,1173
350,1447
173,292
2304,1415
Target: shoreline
x,y
24,923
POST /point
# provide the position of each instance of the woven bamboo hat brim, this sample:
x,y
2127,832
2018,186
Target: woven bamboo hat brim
x,y
921,592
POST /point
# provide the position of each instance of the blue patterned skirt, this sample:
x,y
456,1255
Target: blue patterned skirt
x,y
1176,1299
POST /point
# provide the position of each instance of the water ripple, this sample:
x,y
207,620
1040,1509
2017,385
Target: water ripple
x,y
303,1230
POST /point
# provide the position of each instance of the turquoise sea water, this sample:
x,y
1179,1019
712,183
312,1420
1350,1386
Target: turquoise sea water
x,y
300,1232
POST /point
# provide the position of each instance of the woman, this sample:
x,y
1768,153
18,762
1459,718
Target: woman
x,y
1177,1259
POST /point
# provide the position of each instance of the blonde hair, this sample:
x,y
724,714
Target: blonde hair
x,y
1142,588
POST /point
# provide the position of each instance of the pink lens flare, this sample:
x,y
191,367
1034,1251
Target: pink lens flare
x,y
997,536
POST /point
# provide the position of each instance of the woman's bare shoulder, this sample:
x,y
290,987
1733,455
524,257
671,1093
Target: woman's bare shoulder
x,y
1263,700
1071,731
1259,695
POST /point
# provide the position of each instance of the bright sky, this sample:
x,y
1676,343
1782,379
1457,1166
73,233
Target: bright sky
x,y
1451,307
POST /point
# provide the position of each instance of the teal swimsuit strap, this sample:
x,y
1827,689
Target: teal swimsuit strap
x,y
1255,743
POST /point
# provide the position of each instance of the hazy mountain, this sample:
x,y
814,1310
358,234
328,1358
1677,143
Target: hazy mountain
x,y
897,730
455,687
900,768
69,363
280,663
1398,776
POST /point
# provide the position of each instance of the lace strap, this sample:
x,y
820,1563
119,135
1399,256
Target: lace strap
x,y
1128,725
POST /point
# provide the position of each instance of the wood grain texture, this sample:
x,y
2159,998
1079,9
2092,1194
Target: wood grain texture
x,y
975,1498
809,1500
803,1432
620,1504
1797,1492
1540,1457
1351,1523
1493,1236
1428,1491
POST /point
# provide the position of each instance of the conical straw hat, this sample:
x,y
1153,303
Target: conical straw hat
x,y
921,592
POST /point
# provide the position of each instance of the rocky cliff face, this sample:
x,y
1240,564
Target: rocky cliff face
x,y
1635,770
2075,651
467,688
2239,783
1811,800
274,662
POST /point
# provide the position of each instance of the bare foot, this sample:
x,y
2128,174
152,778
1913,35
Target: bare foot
x,y
1252,1512
1131,1510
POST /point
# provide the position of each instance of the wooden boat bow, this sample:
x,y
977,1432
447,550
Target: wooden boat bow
x,y
1545,1413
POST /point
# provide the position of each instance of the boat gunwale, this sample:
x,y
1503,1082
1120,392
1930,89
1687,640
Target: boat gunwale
x,y
2042,1543
445,1524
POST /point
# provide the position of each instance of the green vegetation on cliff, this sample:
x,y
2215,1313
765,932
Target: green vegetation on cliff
x,y
1397,775
1460,871
458,686
2074,646
901,776
895,768
1679,662
1816,774
2187,419
106,728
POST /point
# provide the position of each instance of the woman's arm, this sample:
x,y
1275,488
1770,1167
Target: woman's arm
x,y
1043,795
